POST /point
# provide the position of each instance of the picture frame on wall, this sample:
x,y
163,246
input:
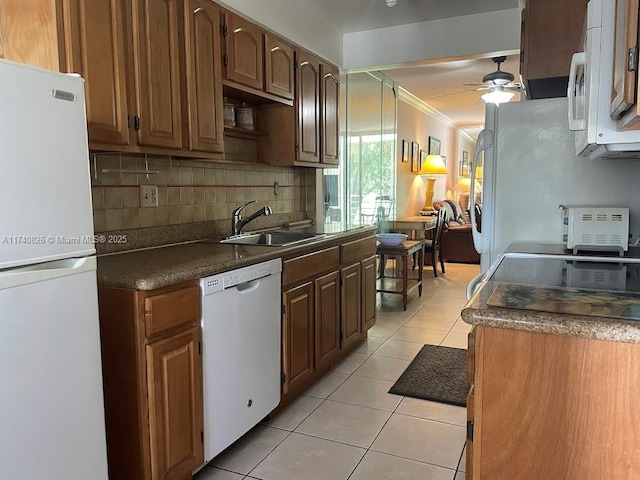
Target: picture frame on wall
x,y
434,146
415,157
463,168
405,151
423,155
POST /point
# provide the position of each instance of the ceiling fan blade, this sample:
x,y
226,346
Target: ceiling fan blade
x,y
452,93
473,84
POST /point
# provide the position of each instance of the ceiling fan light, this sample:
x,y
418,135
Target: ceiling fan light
x,y
391,3
497,96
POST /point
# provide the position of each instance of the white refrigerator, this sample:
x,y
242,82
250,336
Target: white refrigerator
x,y
530,168
51,401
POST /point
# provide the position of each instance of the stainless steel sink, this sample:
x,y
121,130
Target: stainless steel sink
x,y
274,239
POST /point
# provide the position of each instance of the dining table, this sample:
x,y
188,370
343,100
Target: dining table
x,y
414,224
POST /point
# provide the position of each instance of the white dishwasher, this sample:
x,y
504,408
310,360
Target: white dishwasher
x,y
241,312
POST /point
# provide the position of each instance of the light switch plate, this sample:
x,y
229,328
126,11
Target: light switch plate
x,y
148,196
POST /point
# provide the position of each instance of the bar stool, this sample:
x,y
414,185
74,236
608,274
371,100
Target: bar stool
x,y
402,284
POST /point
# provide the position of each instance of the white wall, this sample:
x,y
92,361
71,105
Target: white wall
x,y
451,37
314,25
415,125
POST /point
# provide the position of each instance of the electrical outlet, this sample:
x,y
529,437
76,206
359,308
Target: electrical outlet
x,y
148,196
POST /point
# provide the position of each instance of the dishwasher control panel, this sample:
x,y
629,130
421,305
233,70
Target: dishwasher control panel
x,y
222,281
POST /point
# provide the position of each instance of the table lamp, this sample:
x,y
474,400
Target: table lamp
x,y
464,187
432,165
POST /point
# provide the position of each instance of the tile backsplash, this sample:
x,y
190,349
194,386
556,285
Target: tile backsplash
x,y
190,191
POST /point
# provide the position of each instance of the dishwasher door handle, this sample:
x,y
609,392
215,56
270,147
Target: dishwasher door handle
x,y
248,287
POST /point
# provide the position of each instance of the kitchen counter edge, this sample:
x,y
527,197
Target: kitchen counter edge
x,y
476,312
158,267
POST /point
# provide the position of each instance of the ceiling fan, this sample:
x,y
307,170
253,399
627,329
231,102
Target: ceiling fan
x,y
499,83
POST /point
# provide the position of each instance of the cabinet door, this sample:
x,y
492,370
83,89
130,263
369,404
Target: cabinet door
x,y
203,75
351,305
278,67
330,94
93,38
297,331
552,34
155,54
244,47
174,376
470,432
308,99
369,275
623,92
327,318
28,33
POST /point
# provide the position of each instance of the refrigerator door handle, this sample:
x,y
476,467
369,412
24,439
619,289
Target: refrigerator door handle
x,y
485,141
45,271
473,285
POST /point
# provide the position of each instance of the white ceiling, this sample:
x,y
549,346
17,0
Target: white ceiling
x,y
438,84
441,86
359,15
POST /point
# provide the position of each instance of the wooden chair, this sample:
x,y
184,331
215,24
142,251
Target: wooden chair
x,y
434,246
478,209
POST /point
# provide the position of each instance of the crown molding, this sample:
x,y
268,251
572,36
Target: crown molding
x,y
416,102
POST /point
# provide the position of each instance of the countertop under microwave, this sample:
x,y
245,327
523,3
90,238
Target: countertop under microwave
x,y
596,134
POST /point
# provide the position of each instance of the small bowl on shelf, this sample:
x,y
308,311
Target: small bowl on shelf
x,y
391,239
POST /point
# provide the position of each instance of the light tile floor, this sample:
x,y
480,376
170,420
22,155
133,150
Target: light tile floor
x,y
347,426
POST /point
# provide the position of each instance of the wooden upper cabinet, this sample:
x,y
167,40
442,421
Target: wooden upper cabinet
x,y
279,62
94,47
204,75
156,43
174,375
28,32
244,47
624,90
330,95
552,33
308,101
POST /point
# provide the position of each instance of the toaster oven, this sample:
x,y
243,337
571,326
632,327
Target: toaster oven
x,y
596,228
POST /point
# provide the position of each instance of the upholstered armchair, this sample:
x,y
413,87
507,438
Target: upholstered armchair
x,y
457,239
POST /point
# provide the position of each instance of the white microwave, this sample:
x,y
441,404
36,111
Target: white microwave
x,y
589,91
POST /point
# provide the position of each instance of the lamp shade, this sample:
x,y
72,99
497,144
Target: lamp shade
x,y
433,165
464,185
497,95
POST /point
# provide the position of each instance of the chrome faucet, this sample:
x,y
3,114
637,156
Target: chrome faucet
x,y
238,222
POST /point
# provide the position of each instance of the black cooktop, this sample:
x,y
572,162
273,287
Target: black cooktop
x,y
604,273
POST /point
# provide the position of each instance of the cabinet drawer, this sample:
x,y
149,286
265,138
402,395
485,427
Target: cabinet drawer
x,y
310,265
171,309
358,249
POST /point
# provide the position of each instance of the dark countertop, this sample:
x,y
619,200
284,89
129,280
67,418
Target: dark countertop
x,y
158,267
537,295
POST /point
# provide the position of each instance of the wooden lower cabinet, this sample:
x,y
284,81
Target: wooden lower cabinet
x,y
174,382
351,305
469,443
152,374
297,336
325,293
553,406
327,318
369,275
